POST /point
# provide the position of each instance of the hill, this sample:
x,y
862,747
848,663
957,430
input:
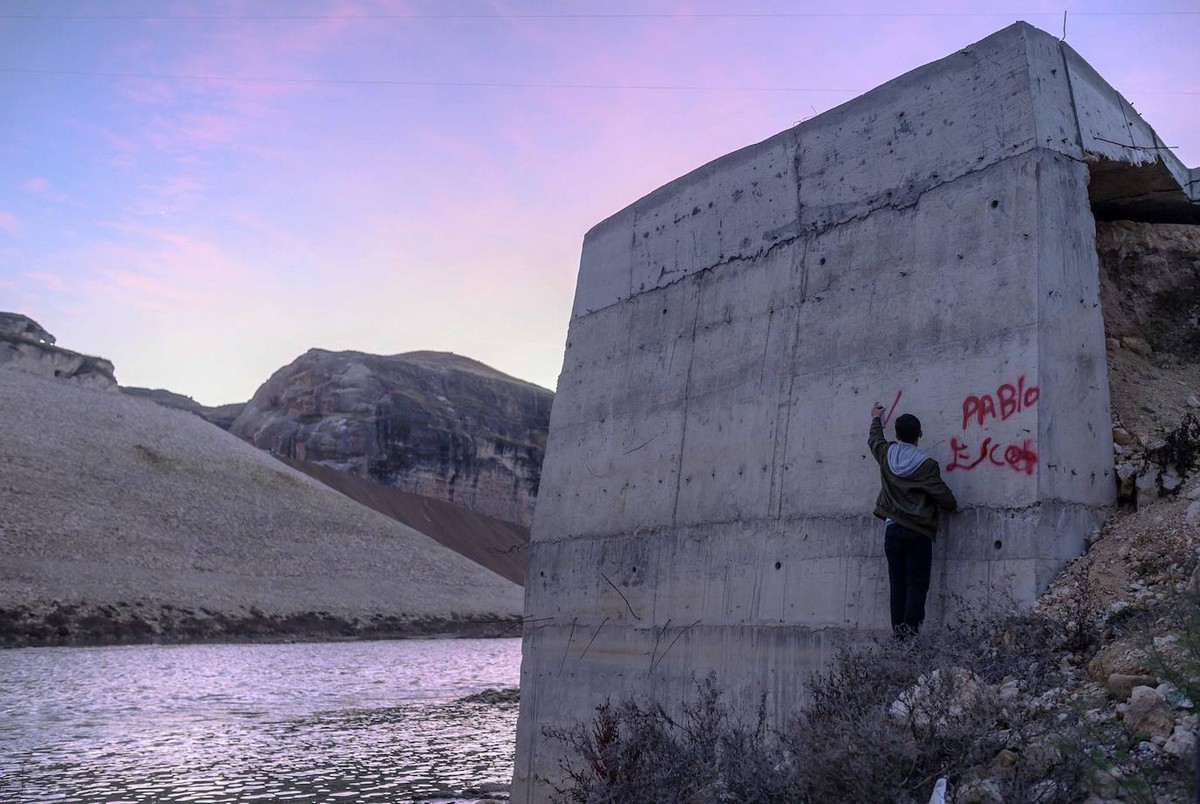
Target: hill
x,y
128,521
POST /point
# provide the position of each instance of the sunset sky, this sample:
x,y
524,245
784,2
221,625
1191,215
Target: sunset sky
x,y
201,191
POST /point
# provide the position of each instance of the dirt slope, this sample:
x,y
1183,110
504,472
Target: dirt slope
x,y
493,543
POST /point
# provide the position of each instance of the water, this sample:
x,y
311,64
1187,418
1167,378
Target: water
x,y
339,722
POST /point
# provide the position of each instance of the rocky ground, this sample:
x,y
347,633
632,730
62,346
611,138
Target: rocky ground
x,y
1131,663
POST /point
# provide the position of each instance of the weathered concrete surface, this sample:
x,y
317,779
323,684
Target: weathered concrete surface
x,y
707,492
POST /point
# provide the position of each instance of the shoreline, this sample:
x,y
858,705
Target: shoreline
x,y
89,625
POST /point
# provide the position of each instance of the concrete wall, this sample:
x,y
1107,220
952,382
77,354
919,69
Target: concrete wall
x,y
707,492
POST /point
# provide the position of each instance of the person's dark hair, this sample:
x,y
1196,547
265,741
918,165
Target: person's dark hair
x,y
908,428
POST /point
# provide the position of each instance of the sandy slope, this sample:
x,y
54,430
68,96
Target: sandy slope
x,y
107,499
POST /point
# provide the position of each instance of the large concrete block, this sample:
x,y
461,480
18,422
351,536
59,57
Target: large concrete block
x,y
1056,126
744,333
589,580
1108,125
707,495
972,401
725,473
631,357
960,265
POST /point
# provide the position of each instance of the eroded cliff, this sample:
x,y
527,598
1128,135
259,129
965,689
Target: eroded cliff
x,y
429,423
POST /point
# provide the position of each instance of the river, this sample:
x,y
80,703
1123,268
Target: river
x,y
339,722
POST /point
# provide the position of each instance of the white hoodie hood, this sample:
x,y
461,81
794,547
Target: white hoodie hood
x,y
903,459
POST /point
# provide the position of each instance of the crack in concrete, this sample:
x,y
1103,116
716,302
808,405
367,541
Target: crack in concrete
x,y
886,200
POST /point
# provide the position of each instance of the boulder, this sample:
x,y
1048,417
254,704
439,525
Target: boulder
x,y
1137,345
1193,514
1122,656
1148,714
1181,743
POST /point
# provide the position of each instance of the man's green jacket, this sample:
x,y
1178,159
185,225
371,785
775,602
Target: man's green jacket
x,y
912,487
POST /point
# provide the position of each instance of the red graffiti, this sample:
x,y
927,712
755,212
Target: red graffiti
x,y
1021,458
892,409
962,455
1012,398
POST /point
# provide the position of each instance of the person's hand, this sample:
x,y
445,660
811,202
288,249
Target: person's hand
x,y
877,411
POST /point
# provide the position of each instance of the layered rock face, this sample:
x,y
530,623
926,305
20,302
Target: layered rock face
x,y
25,346
1150,284
429,423
1150,294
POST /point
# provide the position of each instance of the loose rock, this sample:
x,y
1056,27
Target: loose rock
x,y
1137,345
1120,685
1181,743
1193,514
1148,714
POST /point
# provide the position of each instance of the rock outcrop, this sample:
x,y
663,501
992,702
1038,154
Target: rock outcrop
x,y
24,328
127,521
25,346
428,423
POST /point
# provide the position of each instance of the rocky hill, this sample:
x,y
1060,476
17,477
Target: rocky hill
x,y
127,521
498,545
428,423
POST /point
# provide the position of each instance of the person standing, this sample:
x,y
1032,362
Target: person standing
x,y
911,493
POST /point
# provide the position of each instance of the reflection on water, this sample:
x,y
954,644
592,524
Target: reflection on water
x,y
364,721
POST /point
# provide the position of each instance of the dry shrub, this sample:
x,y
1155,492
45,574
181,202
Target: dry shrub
x,y
882,724
631,752
1182,446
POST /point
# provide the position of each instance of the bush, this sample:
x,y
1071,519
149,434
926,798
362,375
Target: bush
x,y
882,724
631,752
1181,449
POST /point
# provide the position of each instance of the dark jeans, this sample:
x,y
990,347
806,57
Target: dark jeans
x,y
909,557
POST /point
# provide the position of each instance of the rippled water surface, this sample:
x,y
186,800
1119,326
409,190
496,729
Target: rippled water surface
x,y
362,721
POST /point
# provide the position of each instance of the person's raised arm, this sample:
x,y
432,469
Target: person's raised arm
x,y
876,441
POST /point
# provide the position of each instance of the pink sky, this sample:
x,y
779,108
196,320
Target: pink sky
x,y
202,191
